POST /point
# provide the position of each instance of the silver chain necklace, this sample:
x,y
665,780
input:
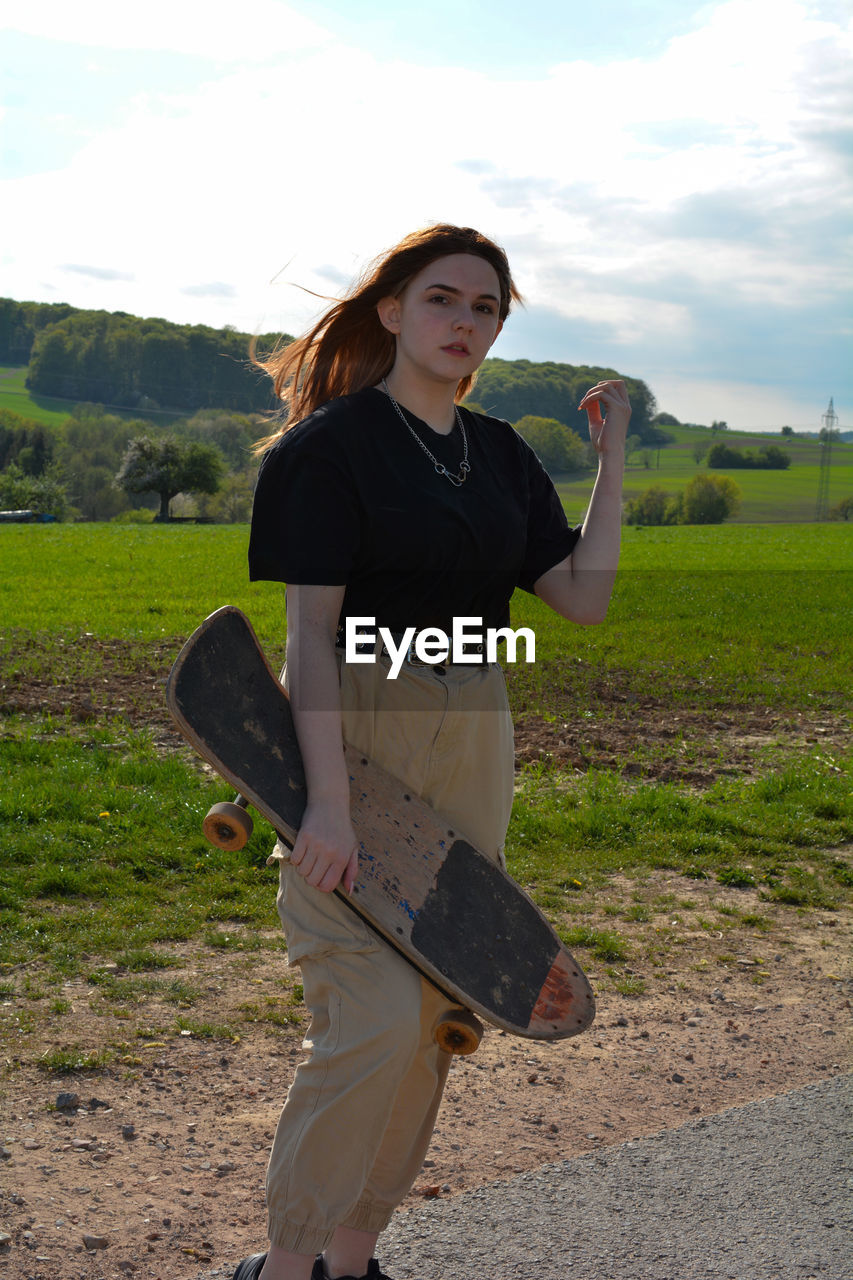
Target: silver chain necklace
x,y
464,465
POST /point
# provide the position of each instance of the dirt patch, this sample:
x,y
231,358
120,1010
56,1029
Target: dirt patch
x,y
156,1170
644,737
161,1161
96,680
666,745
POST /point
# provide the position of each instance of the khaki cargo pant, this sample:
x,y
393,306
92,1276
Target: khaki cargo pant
x,y
360,1112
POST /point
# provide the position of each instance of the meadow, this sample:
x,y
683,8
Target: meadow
x,y
53,411
103,856
779,497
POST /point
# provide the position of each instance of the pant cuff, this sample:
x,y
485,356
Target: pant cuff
x,y
367,1216
297,1237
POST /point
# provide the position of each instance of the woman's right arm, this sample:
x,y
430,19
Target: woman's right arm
x,y
326,851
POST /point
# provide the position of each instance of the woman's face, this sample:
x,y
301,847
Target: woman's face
x,y
446,318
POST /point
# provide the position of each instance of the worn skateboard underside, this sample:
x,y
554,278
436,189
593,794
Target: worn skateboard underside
x,y
452,912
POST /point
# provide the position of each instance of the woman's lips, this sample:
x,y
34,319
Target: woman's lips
x,y
457,349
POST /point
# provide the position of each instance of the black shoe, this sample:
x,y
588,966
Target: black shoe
x,y
250,1268
319,1271
373,1272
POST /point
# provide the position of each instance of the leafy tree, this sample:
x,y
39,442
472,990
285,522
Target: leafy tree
x,y
772,458
21,321
710,500
558,447
648,508
45,494
24,441
842,510
169,467
233,503
90,449
722,455
96,494
232,433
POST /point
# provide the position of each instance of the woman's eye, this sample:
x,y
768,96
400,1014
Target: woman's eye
x,y
438,297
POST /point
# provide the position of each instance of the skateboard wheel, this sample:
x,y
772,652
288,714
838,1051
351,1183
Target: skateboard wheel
x,y
458,1031
228,826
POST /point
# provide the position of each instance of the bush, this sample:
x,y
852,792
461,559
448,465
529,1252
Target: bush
x,y
136,515
710,500
768,458
706,500
45,494
558,447
648,508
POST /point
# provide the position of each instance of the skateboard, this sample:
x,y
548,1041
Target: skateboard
x,y
450,911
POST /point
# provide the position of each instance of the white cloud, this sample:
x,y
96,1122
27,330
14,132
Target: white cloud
x,y
615,209
216,29
740,404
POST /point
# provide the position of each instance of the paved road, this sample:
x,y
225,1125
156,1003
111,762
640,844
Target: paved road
x,y
760,1192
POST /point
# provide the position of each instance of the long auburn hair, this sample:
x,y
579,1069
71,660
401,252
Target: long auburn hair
x,y
349,348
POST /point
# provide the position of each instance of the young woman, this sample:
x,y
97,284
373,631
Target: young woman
x,y
381,498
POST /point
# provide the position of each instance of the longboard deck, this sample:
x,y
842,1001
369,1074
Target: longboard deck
x,y
454,914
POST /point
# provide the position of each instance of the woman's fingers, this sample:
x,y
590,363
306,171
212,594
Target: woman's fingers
x,y
608,410
351,871
612,392
324,859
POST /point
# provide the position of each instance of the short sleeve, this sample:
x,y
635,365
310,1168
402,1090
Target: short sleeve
x,y
305,522
550,538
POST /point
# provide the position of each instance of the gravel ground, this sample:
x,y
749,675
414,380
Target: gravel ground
x,y
759,1192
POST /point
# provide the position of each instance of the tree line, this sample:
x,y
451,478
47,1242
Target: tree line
x,y
769,458
99,460
513,388
20,322
113,359
119,360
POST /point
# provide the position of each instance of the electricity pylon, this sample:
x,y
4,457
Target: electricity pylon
x,y
829,421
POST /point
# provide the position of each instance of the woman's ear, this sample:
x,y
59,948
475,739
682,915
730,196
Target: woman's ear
x,y
388,309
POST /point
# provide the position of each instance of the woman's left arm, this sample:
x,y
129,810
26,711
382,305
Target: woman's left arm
x,y
580,586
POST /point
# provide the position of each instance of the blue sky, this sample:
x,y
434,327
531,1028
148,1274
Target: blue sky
x,y
672,181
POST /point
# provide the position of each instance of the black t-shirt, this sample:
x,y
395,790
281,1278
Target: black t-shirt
x,y
348,497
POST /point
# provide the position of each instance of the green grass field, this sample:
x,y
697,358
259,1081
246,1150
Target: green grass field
x,y
727,611
103,857
767,496
52,411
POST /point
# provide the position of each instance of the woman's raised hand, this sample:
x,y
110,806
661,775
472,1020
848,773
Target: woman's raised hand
x,y
608,410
